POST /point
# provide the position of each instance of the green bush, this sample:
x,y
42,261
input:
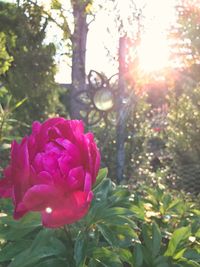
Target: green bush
x,y
183,138
9,126
147,228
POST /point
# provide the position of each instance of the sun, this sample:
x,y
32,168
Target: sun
x,y
103,38
153,53
154,49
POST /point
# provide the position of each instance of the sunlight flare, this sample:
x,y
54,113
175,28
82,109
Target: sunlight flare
x,y
153,53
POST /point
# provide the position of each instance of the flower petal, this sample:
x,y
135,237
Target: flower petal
x,y
42,137
73,208
6,188
39,197
88,183
75,179
20,169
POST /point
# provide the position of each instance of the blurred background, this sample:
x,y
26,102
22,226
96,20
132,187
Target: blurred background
x,y
129,69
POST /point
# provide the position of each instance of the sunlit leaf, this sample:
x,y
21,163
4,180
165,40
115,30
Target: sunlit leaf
x,y
177,237
101,175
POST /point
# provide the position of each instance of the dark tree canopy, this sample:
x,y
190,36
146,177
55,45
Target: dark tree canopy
x,y
31,74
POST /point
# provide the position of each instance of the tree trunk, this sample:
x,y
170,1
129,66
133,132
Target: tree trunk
x,y
122,116
79,39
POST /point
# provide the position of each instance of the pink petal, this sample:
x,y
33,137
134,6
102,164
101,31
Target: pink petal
x,y
52,122
39,197
70,129
6,188
52,146
46,162
73,208
77,126
50,162
20,169
75,179
69,147
6,183
32,147
96,161
20,211
54,133
88,183
7,171
38,163
36,127
42,136
90,136
71,156
84,150
65,164
44,178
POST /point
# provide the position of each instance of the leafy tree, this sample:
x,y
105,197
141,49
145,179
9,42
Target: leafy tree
x,y
186,32
31,74
183,139
5,58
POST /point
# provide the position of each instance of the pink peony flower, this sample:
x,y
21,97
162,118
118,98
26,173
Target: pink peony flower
x,y
52,171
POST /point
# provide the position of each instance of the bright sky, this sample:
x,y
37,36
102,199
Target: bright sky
x,y
153,52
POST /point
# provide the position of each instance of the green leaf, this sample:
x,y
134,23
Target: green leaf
x,y
80,249
137,255
121,220
107,257
18,104
101,175
146,237
178,236
116,211
9,251
198,233
173,204
53,263
166,201
138,211
147,256
55,4
18,229
179,254
44,245
164,264
125,256
102,190
108,234
125,235
192,254
188,263
161,261
156,239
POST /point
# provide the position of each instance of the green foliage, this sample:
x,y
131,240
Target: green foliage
x,y
93,241
150,228
137,135
5,59
183,138
9,126
31,74
169,229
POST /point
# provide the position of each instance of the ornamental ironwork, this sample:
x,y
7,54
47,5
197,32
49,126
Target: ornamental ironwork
x,y
99,99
